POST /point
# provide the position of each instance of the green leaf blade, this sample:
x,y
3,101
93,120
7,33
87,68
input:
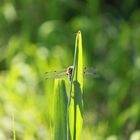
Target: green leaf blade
x,y
76,104
80,60
60,110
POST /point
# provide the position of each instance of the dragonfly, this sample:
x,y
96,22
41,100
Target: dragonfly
x,y
68,72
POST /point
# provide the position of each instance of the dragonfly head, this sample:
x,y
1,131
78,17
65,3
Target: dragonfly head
x,y
69,70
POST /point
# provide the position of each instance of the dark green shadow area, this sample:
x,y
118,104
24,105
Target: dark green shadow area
x,y
78,96
78,103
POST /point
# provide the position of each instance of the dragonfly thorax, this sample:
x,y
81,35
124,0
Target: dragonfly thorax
x,y
69,72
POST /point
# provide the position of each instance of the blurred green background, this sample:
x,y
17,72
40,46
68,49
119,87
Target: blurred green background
x,y
39,35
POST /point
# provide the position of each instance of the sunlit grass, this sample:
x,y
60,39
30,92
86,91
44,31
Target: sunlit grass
x,y
76,102
60,110
68,112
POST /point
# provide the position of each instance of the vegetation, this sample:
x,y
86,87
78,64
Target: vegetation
x,y
38,36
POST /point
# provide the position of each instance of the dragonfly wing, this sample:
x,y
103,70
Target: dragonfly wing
x,y
90,72
89,69
55,77
55,74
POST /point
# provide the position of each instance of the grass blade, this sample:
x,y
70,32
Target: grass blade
x,y
13,127
60,110
76,91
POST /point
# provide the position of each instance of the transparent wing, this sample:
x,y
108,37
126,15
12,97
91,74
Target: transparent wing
x,y
90,72
55,74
